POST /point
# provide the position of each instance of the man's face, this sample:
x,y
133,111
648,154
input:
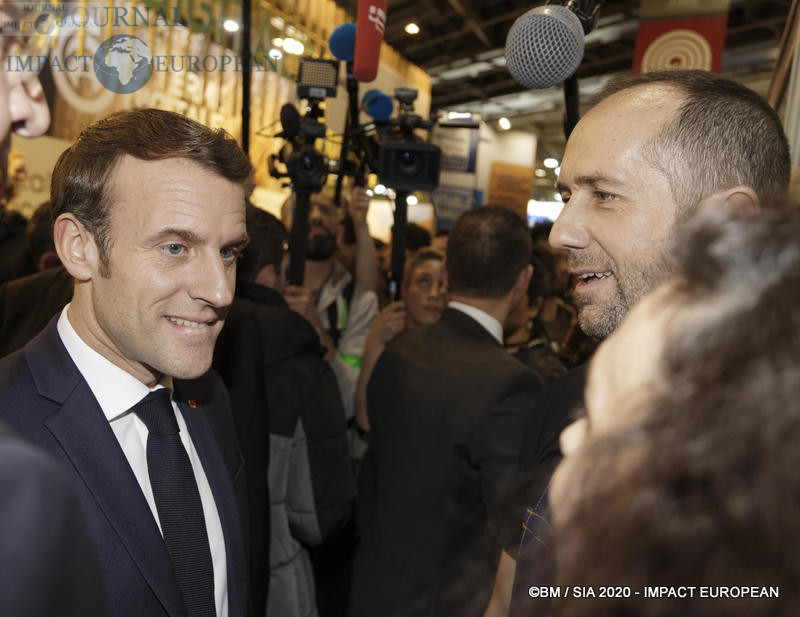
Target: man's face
x,y
621,386
619,213
176,232
323,228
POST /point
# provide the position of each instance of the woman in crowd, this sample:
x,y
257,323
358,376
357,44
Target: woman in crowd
x,y
684,473
423,302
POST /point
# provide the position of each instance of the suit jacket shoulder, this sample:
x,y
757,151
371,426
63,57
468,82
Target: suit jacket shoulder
x,y
29,303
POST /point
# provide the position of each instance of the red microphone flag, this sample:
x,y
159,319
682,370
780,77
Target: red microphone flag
x,y
370,24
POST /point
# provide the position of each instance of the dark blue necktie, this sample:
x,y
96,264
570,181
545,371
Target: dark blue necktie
x,y
180,510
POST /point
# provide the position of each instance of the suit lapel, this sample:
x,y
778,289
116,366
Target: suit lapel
x,y
82,430
220,479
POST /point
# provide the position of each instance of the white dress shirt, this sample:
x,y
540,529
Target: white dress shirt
x,y
489,323
117,392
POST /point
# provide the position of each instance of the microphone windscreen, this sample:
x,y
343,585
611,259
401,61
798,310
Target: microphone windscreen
x,y
370,24
342,42
290,121
377,105
544,46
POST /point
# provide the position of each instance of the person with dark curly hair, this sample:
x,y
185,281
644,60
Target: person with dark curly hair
x,y
683,474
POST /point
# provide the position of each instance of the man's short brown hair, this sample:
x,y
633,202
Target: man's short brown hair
x,y
81,177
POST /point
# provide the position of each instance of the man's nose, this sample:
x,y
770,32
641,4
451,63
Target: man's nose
x,y
314,213
569,229
215,282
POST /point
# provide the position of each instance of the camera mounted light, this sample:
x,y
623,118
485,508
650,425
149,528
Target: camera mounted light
x,y
317,78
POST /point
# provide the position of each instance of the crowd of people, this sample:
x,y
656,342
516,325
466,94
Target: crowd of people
x,y
601,403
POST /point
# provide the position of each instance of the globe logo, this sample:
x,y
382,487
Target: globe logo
x,y
123,64
45,24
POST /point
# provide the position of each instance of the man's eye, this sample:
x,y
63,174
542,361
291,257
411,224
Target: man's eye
x,y
564,197
228,253
173,249
603,196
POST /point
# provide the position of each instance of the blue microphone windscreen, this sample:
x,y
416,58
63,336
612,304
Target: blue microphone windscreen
x,y
379,106
342,42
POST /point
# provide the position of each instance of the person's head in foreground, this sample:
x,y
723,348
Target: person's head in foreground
x,y
150,220
686,469
23,108
640,162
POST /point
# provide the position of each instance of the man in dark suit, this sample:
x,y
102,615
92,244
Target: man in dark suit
x,y
447,408
150,221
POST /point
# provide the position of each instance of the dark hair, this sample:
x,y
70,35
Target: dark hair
x,y
39,232
541,231
417,237
487,248
541,283
81,177
724,135
704,490
418,258
267,247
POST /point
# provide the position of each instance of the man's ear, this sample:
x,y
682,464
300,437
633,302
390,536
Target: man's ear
x,y
267,277
739,200
521,285
76,247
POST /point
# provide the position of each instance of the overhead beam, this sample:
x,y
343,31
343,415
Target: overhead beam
x,y
433,41
470,21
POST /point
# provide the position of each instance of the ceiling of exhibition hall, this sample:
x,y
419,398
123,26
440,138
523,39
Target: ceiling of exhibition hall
x,y
461,45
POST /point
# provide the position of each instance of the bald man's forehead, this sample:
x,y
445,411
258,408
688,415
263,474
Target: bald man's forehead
x,y
655,96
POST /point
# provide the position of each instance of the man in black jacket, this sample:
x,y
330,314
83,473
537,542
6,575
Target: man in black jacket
x,y
291,427
447,408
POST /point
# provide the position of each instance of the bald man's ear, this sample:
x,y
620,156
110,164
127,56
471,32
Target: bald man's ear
x,y
738,200
76,247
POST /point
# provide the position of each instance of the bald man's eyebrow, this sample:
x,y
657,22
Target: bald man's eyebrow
x,y
591,181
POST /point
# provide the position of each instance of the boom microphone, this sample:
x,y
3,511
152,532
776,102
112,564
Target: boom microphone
x,y
544,46
342,42
377,105
290,122
370,24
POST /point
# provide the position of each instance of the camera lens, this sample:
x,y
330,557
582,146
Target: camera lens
x,y
410,163
307,162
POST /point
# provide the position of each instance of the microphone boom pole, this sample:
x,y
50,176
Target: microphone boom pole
x,y
298,239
